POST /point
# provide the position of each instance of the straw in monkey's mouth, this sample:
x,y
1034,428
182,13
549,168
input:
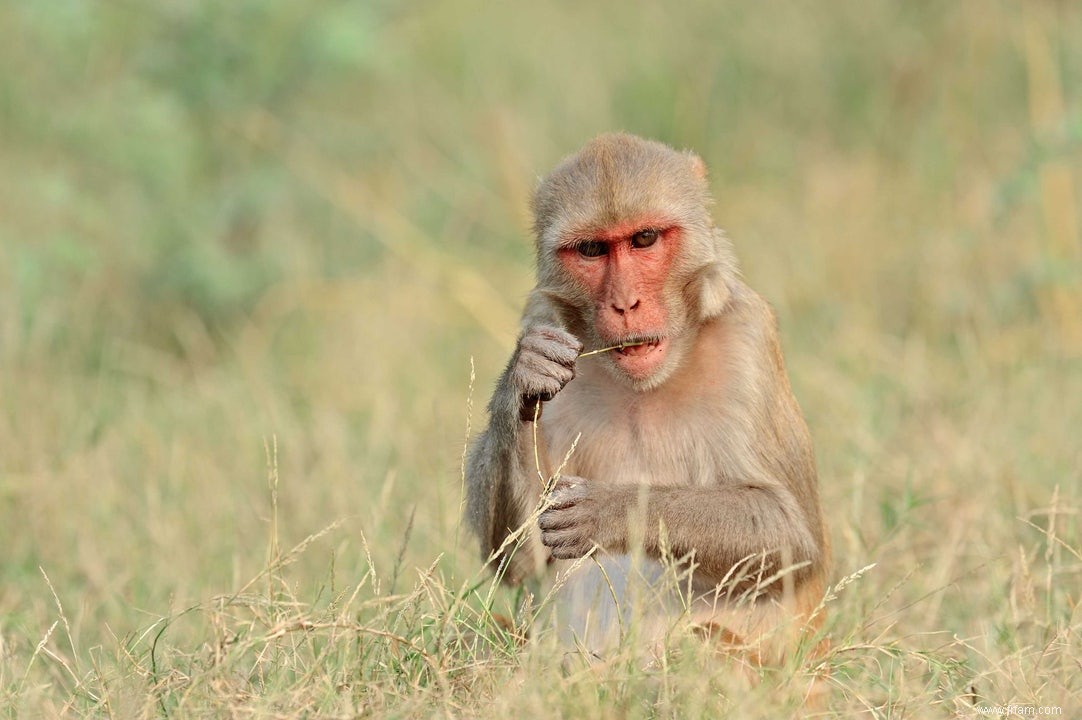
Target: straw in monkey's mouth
x,y
638,346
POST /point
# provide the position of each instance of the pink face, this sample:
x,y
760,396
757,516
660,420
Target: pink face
x,y
624,268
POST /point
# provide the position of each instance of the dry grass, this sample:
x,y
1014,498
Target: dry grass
x,y
248,251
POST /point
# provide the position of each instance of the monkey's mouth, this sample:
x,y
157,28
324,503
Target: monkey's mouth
x,y
638,346
640,356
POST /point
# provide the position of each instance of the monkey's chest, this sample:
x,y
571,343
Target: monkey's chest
x,y
629,446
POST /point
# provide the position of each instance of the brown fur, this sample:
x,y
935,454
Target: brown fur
x,y
708,460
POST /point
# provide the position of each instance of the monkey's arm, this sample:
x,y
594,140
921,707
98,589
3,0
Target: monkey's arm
x,y
497,484
755,527
758,524
502,487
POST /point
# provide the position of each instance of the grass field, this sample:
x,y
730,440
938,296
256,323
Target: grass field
x,y
250,251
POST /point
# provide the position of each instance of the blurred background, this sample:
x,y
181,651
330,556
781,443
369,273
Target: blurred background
x,y
225,225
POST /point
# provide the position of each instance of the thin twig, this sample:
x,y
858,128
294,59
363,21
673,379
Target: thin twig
x,y
606,349
536,454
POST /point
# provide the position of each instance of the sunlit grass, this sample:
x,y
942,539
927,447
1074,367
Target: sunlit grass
x,y
251,252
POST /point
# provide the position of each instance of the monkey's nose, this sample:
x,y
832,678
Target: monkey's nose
x,y
620,309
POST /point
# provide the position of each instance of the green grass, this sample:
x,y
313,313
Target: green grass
x,y
248,250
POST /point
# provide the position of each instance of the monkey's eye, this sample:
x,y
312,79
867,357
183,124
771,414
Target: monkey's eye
x,y
592,248
644,238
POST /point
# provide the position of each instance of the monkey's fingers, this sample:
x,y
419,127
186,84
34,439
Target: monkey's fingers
x,y
562,498
571,551
554,344
537,376
552,519
561,538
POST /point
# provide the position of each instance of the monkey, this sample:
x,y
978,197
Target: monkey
x,y
690,450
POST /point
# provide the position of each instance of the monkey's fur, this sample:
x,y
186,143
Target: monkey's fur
x,y
693,447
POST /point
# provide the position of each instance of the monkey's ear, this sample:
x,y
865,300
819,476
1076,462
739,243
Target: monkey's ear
x,y
713,290
698,167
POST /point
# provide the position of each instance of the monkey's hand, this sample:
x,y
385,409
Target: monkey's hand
x,y
544,363
577,515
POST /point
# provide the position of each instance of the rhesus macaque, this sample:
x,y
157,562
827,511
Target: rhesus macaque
x,y
692,451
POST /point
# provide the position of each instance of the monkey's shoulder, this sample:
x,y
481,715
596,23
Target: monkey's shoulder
x,y
750,314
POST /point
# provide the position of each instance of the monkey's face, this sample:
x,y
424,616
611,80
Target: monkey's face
x,y
623,272
624,238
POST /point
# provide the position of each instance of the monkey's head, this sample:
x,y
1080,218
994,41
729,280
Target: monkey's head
x,y
628,253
